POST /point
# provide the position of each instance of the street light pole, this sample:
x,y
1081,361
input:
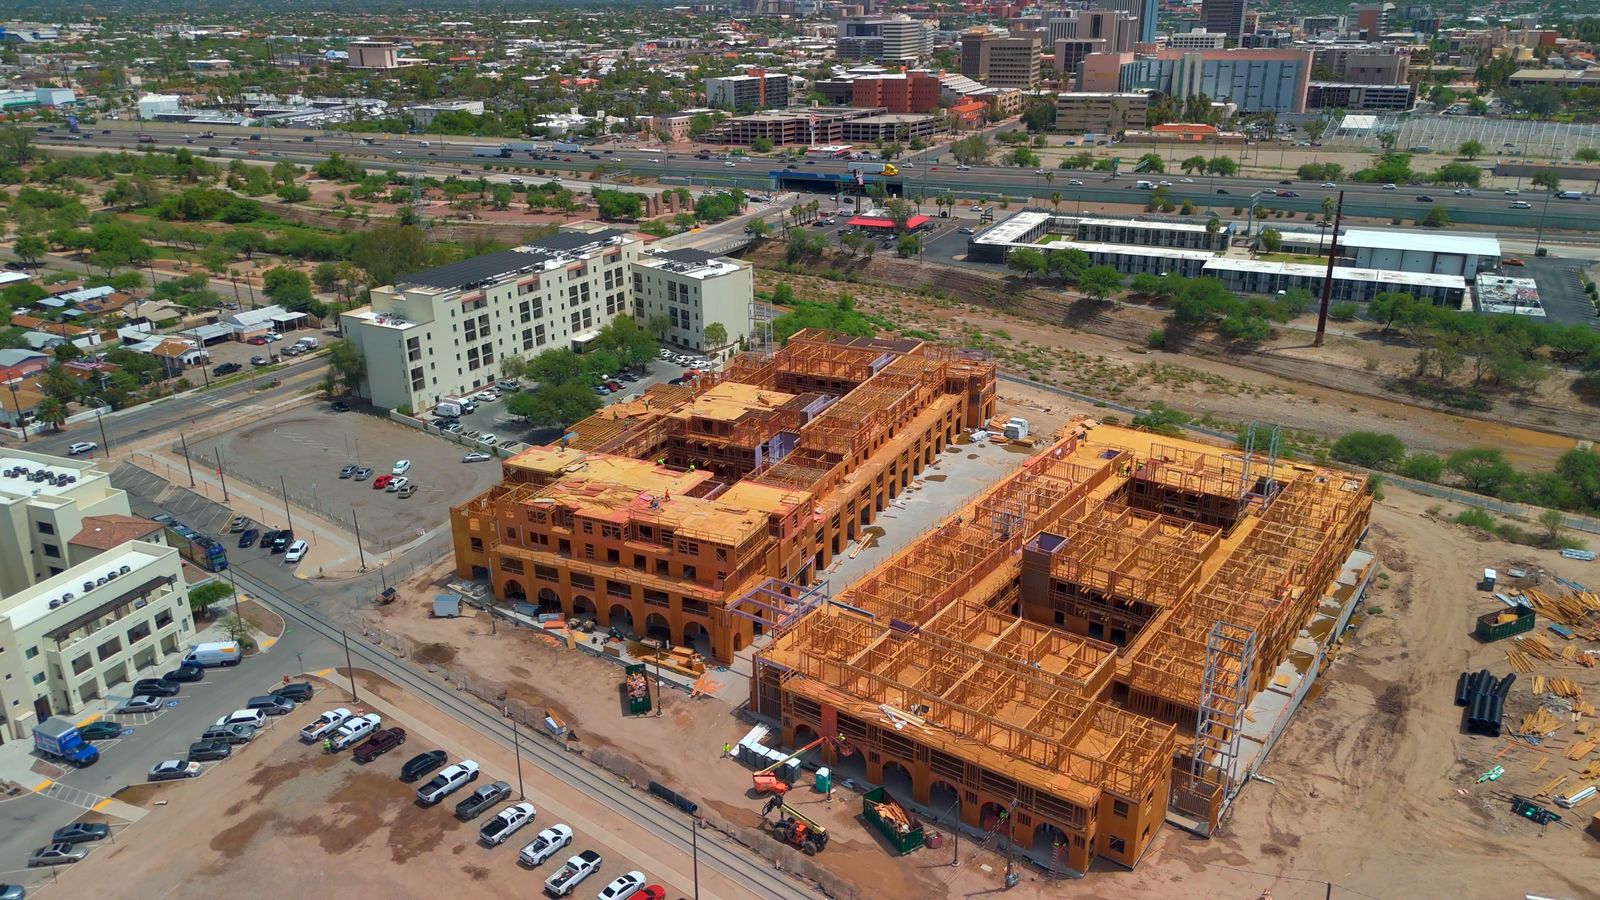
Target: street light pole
x,y
16,407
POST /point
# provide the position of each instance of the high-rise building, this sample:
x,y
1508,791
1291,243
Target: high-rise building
x,y
1142,12
756,89
897,39
1253,80
1226,16
1198,40
998,59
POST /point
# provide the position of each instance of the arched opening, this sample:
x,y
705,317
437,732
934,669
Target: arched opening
x,y
945,801
657,626
515,591
695,635
803,735
738,642
897,778
548,598
1049,841
583,606
989,815
620,618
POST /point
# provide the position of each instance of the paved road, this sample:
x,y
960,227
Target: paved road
x,y
929,178
27,822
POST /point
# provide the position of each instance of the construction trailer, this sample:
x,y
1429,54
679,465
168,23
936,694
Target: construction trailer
x,y
708,510
1075,650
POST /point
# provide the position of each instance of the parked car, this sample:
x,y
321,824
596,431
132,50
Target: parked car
x,y
401,467
622,887
232,734
299,691
81,833
488,440
142,703
356,729
282,540
396,484
185,674
257,341
421,764
100,730
447,781
1512,261
296,552
481,799
362,473
347,471
475,456
255,718
239,523
202,751
226,368
57,855
267,537
82,447
380,743
155,687
546,845
260,361
506,823
407,492
381,482
339,406
173,769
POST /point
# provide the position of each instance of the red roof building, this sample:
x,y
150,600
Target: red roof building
x,y
885,222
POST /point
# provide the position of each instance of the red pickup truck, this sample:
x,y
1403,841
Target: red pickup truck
x,y
380,743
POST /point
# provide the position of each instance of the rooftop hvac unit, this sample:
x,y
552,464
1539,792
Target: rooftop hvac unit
x,y
112,575
67,597
125,569
88,586
99,582
72,479
54,603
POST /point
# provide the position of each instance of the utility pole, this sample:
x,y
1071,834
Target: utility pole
x,y
220,476
186,461
101,420
348,666
516,747
1327,279
694,844
361,552
287,516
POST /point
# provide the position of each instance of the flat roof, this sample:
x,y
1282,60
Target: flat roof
x,y
1422,242
30,606
19,485
1340,273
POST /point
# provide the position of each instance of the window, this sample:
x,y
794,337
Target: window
x,y
1119,808
688,573
611,530
477,544
52,551
82,664
538,335
46,528
30,653
164,618
39,678
1116,845
588,551
418,379
514,566
614,557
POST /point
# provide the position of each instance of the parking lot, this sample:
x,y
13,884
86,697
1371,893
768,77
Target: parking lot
x,y
289,815
301,453
1560,290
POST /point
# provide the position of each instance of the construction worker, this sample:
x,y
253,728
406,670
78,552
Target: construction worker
x,y
327,745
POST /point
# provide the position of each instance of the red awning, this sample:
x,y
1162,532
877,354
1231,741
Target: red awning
x,y
874,222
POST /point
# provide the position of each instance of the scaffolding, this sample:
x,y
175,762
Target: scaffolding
x,y
1224,695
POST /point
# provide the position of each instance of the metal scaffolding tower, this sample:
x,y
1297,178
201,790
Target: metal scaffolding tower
x,y
761,316
1224,694
1247,483
1005,520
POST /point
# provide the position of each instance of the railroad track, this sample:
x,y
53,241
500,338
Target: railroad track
x,y
747,870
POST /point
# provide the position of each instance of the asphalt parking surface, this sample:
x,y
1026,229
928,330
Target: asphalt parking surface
x,y
1560,290
491,418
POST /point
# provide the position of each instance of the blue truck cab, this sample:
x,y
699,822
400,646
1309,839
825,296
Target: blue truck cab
x,y
60,739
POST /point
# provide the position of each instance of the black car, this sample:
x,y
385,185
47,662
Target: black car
x,y
203,751
282,540
339,406
226,368
1286,181
299,692
1424,199
248,538
1221,190
422,764
267,537
100,730
155,687
81,833
185,673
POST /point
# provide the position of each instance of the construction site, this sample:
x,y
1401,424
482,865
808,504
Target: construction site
x,y
703,513
1071,659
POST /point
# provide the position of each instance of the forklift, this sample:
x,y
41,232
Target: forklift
x,y
793,827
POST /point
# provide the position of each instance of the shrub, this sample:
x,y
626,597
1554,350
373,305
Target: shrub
x,y
1475,518
1156,340
1369,449
1345,311
1422,467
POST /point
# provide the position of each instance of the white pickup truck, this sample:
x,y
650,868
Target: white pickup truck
x,y
324,725
355,729
546,844
576,870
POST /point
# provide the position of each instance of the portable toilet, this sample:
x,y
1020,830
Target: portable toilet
x,y
1488,579
824,782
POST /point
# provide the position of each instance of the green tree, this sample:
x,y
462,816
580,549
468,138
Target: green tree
x,y
1422,467
30,248
1271,239
1369,449
1153,163
1437,217
391,252
347,366
716,335
52,412
1068,263
1223,166
1201,299
1587,154
1581,469
206,594
1548,180
1193,164
554,404
973,150
1480,469
1470,149
58,383
761,145
1392,308
16,144
1025,261
1464,174
555,366
1100,282
907,246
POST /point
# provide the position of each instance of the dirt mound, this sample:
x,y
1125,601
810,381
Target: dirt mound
x,y
437,654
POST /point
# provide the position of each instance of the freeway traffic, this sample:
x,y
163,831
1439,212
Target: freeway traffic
x,y
928,173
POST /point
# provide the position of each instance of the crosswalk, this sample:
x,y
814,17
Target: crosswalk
x,y
72,796
214,402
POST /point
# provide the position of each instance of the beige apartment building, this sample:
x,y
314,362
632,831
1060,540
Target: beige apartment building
x,y
45,502
1110,113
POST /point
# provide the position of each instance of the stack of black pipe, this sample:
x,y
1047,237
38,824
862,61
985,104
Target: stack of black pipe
x,y
1485,700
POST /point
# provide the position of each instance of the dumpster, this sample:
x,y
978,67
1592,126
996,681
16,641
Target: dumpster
x,y
894,821
1503,623
638,688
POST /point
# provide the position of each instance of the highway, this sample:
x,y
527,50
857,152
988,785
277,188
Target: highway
x,y
920,174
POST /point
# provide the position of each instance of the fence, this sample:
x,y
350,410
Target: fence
x,y
1526,511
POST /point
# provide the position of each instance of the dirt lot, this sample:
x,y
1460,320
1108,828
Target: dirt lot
x,y
279,800
309,446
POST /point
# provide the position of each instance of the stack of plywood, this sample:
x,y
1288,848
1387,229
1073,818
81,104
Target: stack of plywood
x,y
894,815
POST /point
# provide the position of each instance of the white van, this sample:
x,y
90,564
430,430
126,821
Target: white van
x,y
423,144
216,654
309,343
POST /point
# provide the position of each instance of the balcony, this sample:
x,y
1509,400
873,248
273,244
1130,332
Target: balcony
x,y
116,607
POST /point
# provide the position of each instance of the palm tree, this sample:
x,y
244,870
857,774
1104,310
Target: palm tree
x,y
1055,201
918,201
1049,177
52,412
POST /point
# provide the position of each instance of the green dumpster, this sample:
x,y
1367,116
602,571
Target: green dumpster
x,y
638,688
893,821
1503,623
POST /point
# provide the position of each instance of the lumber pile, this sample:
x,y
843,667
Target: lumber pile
x,y
1551,785
1593,771
1572,610
1540,721
894,815
1536,645
1521,663
1564,687
1579,751
1537,685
